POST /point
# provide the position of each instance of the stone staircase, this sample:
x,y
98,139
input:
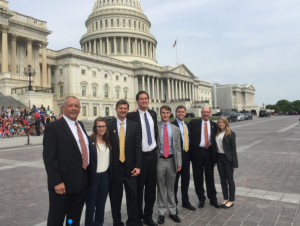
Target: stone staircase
x,y
7,101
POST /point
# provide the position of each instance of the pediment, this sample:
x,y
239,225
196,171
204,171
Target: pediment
x,y
60,83
182,70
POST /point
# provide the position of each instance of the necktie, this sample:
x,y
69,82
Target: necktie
x,y
206,136
166,151
83,147
186,139
148,130
122,143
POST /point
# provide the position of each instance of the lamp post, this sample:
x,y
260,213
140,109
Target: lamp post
x,y
30,74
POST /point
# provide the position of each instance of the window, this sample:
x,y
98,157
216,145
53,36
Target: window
x,y
61,71
118,46
125,94
105,76
143,27
106,111
117,94
100,23
95,111
112,47
61,91
129,23
83,91
106,23
94,91
94,73
118,23
112,22
83,72
84,111
117,77
52,72
123,22
106,91
125,46
125,79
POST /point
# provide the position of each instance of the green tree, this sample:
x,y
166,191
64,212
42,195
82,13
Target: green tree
x,y
284,105
296,105
273,107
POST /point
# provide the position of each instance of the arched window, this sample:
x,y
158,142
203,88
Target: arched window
x,y
106,23
105,76
112,22
100,23
106,91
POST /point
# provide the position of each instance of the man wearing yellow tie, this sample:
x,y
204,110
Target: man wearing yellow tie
x,y
185,170
126,163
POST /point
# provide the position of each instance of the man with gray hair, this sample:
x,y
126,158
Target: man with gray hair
x,y
68,163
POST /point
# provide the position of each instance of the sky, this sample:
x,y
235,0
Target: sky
x,y
221,41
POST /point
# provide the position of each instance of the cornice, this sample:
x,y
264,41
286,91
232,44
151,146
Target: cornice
x,y
44,31
6,12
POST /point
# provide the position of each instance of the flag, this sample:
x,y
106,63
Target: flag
x,y
175,43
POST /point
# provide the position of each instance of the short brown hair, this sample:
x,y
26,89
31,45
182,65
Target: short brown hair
x,y
139,93
122,101
166,107
180,107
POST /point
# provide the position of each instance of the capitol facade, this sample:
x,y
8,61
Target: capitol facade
x,y
117,59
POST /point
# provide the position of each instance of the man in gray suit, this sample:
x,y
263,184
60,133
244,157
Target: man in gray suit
x,y
169,163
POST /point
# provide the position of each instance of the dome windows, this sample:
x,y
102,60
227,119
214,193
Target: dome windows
x,y
118,22
106,23
112,22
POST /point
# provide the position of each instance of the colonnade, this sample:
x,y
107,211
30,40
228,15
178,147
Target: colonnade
x,y
176,89
120,46
29,42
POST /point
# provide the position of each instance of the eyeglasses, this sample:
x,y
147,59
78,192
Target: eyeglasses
x,y
101,127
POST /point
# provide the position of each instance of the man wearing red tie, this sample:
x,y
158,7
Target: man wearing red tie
x,y
203,140
169,163
67,160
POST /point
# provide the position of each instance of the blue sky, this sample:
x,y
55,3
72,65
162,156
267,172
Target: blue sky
x,y
224,41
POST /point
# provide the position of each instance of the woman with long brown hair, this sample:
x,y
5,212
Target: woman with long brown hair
x,y
227,160
97,194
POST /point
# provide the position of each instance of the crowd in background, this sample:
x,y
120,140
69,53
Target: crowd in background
x,y
21,122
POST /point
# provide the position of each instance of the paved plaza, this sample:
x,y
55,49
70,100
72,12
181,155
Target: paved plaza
x,y
268,180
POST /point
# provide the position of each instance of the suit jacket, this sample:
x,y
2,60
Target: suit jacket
x,y
63,159
229,146
37,123
175,123
195,137
176,144
95,159
133,147
135,116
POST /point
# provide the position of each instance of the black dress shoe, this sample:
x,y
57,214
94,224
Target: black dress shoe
x,y
227,207
161,219
189,206
175,218
201,204
150,222
215,204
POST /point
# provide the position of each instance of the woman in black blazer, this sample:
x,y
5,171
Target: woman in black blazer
x,y
97,193
227,160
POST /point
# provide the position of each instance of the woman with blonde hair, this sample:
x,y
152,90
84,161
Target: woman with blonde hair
x,y
227,160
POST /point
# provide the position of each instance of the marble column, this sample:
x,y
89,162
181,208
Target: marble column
x,y
95,47
190,91
186,90
100,47
147,52
154,52
173,89
183,90
29,51
14,53
115,46
4,49
136,84
162,89
157,89
143,82
142,47
90,46
44,63
122,46
129,47
176,90
107,46
49,76
180,91
135,47
153,91
148,85
85,47
169,90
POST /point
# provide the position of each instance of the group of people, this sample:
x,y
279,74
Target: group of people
x,y
136,152
24,121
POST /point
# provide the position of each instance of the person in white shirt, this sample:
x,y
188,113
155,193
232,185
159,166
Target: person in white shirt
x,y
97,194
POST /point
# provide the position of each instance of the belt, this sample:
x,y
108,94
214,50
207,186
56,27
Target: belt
x,y
203,148
163,157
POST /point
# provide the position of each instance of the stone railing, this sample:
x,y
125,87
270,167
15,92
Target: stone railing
x,y
29,20
16,76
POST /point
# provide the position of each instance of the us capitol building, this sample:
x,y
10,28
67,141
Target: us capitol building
x,y
117,59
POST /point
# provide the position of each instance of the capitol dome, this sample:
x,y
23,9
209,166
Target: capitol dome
x,y
119,29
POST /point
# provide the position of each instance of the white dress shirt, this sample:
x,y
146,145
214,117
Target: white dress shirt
x,y
202,141
219,141
119,126
73,128
145,145
102,158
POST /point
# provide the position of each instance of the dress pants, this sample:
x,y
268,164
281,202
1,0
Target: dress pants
x,y
203,161
185,178
116,195
69,205
147,180
226,176
95,199
166,176
37,131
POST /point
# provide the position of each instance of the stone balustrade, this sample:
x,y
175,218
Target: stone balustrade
x,y
17,76
29,20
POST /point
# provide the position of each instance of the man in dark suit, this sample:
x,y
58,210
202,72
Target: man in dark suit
x,y
37,123
147,121
202,146
68,164
126,164
185,170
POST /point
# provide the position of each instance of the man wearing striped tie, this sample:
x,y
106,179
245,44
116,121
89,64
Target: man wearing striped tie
x,y
185,170
68,164
126,164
